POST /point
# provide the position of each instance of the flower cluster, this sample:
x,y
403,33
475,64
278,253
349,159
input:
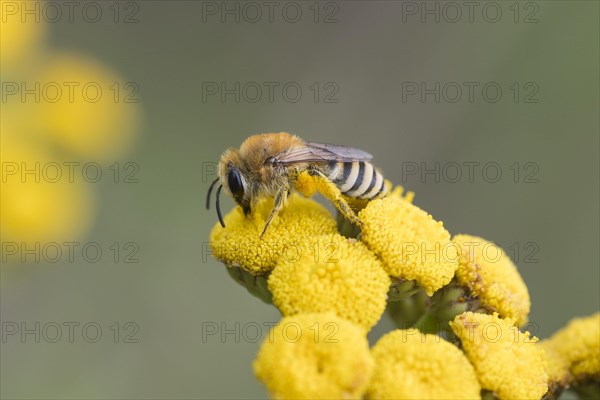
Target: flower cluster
x,y
460,311
59,113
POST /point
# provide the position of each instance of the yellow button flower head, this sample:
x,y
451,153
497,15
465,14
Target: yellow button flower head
x,y
557,368
411,244
491,276
507,361
41,206
315,356
331,273
89,110
239,243
575,348
21,33
414,365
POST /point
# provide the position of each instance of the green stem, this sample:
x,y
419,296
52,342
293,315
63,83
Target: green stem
x,y
428,323
587,390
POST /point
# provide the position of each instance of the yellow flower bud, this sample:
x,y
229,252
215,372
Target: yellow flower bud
x,y
491,276
411,244
19,39
239,243
507,361
96,117
315,356
36,208
331,273
574,352
413,365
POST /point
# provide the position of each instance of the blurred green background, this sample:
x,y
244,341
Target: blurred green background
x,y
364,55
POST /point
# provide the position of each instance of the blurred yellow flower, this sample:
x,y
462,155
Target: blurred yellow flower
x,y
315,356
411,244
331,273
239,243
556,366
20,40
35,207
413,365
491,276
86,108
58,111
507,361
574,351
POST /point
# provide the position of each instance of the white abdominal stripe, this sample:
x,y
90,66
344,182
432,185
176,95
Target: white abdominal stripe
x,y
358,179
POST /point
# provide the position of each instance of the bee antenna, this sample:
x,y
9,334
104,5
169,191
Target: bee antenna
x,y
209,193
219,206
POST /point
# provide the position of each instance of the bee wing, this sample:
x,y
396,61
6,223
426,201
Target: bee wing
x,y
314,152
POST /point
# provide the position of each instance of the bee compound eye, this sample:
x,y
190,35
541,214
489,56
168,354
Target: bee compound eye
x,y
234,181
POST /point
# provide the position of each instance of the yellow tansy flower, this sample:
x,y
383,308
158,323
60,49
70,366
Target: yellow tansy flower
x,y
315,356
556,367
411,244
95,115
507,361
576,349
239,243
331,273
413,365
19,39
398,192
491,276
42,205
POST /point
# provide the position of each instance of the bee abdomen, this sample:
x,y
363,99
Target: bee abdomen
x,y
358,179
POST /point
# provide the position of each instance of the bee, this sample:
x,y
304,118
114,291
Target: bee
x,y
270,164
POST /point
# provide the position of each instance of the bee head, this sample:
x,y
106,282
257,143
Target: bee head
x,y
236,184
232,178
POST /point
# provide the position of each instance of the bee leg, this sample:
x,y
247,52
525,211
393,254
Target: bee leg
x,y
277,206
342,205
328,189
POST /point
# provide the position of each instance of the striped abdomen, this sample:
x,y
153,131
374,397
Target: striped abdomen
x,y
358,179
